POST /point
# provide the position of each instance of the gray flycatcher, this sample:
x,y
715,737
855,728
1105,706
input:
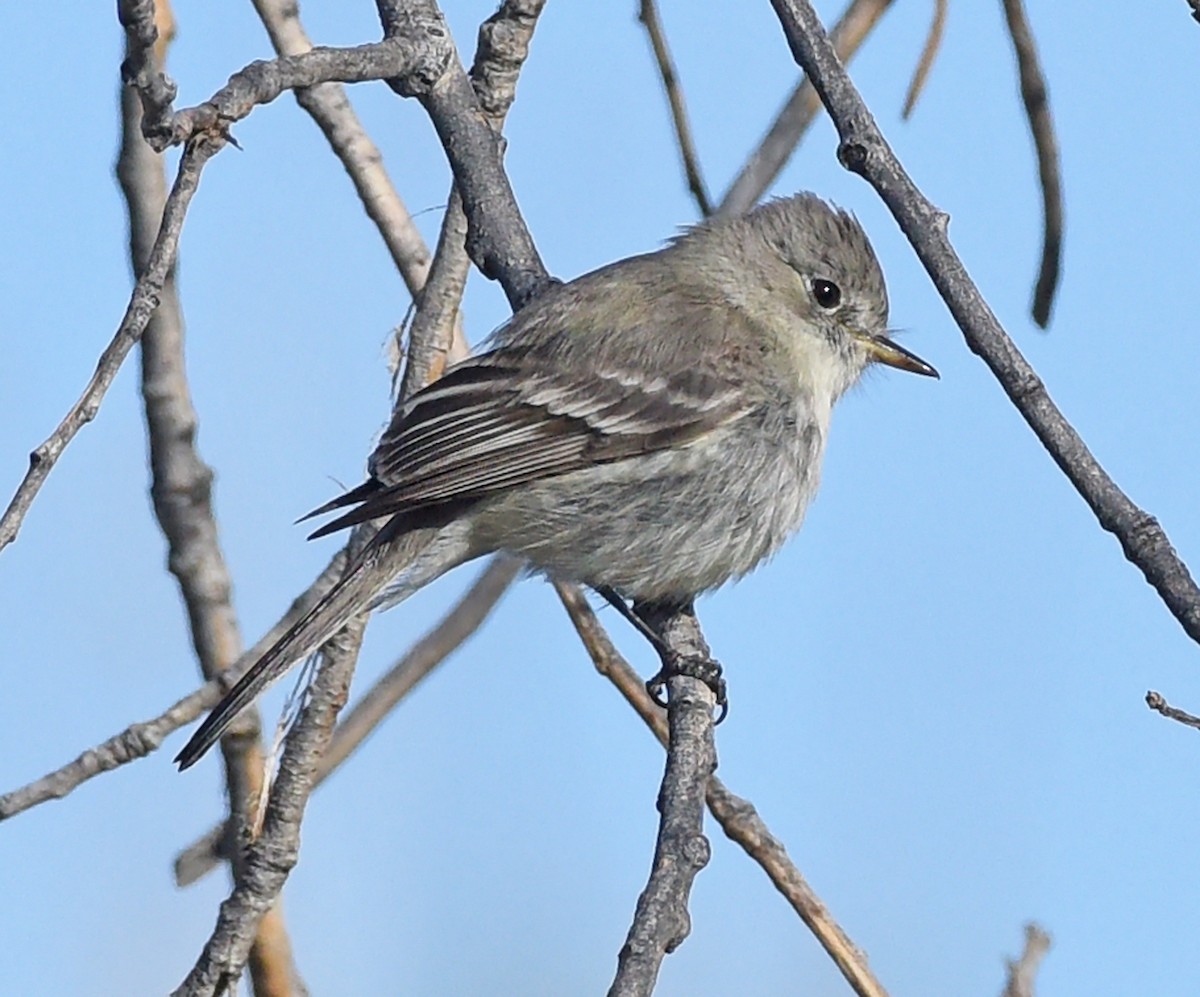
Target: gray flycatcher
x,y
652,429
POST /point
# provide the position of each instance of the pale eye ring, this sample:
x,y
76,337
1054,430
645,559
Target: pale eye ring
x,y
826,293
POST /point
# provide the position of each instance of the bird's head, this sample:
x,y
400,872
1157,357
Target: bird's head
x,y
833,283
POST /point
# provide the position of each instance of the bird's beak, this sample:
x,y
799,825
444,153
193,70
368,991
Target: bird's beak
x,y
882,350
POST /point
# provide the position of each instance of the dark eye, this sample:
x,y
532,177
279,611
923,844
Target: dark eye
x,y
827,294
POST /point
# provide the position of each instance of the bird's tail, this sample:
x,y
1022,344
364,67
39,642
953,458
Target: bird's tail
x,y
383,560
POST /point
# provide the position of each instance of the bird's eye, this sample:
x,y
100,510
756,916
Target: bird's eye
x,y
826,293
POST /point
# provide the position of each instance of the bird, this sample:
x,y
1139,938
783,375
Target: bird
x,y
652,429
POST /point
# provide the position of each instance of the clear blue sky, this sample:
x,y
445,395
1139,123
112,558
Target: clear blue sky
x,y
937,686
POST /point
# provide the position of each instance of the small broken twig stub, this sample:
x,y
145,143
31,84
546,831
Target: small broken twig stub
x,y
1156,702
1023,971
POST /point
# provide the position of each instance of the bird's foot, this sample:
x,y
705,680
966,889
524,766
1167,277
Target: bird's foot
x,y
697,666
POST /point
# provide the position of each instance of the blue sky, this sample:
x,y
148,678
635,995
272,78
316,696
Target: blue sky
x,y
937,686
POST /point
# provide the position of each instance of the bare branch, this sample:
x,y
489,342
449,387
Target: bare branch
x,y
863,150
501,50
776,147
1022,972
142,304
466,616
737,817
181,485
742,824
661,921
263,81
1041,124
497,239
182,493
1156,702
933,41
609,661
648,15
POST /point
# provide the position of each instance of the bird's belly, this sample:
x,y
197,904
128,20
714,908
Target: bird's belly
x,y
662,526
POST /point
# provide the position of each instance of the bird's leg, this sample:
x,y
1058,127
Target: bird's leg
x,y
699,665
617,601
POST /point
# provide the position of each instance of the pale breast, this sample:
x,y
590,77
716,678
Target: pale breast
x,y
667,525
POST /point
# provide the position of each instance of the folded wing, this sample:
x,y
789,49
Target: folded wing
x,y
499,420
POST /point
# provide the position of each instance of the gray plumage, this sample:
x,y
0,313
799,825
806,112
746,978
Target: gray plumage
x,y
654,427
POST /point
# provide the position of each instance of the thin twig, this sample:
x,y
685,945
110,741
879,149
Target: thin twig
x,y
1041,124
1023,971
265,80
134,742
933,41
863,150
1156,702
742,824
609,661
737,817
429,335
142,303
140,739
461,622
797,113
648,15
330,108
